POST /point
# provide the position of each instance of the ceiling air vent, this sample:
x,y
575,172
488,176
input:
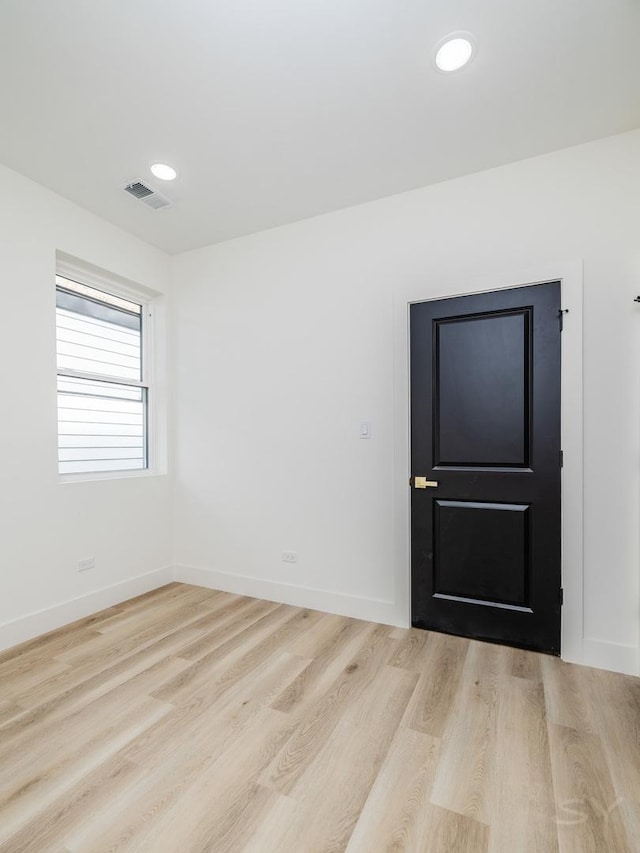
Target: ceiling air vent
x,y
147,195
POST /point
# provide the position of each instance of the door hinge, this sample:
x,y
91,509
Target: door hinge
x,y
561,313
561,596
562,458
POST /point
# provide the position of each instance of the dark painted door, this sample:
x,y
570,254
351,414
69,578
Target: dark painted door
x,y
485,463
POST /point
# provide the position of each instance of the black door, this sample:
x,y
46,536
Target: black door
x,y
485,463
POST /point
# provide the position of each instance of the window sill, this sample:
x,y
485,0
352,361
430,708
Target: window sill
x,y
108,475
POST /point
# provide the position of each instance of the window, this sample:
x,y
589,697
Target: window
x,y
103,390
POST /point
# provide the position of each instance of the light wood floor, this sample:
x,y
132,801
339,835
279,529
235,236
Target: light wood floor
x,y
189,720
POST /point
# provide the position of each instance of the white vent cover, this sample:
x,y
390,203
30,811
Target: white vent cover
x,y
147,195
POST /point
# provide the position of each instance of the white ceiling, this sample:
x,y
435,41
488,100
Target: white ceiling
x,y
276,110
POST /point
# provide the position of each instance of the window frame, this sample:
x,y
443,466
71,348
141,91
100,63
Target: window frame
x,y
114,286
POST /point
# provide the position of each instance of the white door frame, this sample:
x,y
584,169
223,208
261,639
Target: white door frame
x,y
570,275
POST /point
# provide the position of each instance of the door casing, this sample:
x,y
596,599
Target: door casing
x,y
570,275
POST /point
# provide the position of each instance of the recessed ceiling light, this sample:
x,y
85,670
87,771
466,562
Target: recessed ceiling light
x,y
453,53
164,172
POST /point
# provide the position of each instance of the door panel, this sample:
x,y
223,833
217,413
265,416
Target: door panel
x,y
481,551
485,434
482,390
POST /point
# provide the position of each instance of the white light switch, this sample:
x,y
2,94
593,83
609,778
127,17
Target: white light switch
x,y
365,429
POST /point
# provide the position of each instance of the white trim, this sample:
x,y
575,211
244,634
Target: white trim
x,y
612,656
370,609
94,476
34,624
85,273
570,274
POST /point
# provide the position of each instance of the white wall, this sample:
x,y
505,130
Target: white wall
x,y
47,526
284,341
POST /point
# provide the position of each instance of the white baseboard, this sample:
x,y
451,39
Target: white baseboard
x,y
611,656
34,624
597,653
371,609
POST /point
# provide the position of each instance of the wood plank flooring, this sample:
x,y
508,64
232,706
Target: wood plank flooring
x,y
189,720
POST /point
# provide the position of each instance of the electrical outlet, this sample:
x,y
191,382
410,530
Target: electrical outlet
x,y
89,563
289,557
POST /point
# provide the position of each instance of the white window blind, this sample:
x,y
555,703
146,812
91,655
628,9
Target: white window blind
x,y
102,395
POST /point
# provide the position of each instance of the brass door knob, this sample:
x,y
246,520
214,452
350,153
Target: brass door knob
x,y
423,483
